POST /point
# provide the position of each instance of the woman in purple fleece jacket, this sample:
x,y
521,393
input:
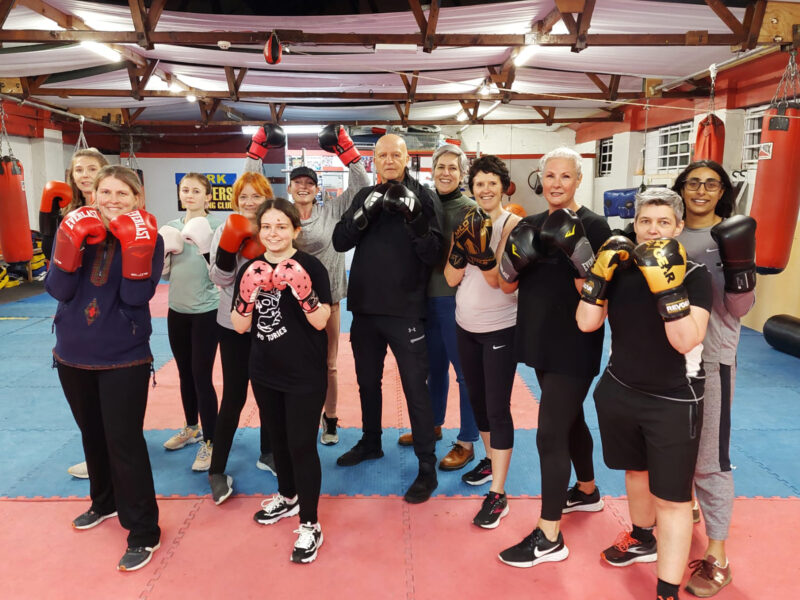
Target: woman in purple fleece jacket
x,y
106,265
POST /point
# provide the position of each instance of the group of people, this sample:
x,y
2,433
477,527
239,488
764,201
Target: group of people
x,y
442,279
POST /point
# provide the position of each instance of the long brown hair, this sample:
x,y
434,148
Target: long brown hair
x,y
77,196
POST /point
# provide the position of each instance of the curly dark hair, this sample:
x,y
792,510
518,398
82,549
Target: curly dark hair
x,y
724,206
489,163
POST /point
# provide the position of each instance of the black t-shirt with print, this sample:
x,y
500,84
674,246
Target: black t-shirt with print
x,y
287,353
641,355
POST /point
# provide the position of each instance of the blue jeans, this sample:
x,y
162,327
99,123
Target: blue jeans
x,y
440,331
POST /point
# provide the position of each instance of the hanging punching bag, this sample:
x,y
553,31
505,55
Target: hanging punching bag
x,y
710,141
15,228
776,196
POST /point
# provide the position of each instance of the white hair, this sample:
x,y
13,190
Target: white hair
x,y
562,152
660,196
463,162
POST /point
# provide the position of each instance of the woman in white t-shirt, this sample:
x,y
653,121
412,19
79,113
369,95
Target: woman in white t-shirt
x,y
486,318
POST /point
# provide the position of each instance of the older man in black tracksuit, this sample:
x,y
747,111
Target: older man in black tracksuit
x,y
395,229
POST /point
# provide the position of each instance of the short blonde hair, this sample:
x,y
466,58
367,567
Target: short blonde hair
x,y
257,180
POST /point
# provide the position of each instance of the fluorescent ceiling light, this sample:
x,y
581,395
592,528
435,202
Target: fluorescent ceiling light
x,y
525,54
103,50
191,98
461,116
395,47
175,87
302,128
249,129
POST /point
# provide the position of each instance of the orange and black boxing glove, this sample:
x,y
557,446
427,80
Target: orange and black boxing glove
x,y
663,264
614,253
473,236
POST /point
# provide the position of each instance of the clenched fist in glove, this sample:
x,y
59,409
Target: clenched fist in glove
x,y
290,273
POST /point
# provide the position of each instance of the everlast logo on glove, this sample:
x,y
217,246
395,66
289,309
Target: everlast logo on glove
x,y
141,227
72,218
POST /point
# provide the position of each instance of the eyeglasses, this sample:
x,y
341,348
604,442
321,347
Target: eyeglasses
x,y
711,185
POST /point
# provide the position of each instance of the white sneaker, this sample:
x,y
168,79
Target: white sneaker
x,y
329,435
309,539
187,435
80,471
202,462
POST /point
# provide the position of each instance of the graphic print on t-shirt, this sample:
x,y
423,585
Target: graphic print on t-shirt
x,y
268,324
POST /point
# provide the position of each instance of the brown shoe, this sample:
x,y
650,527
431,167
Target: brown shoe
x,y
707,578
407,439
456,458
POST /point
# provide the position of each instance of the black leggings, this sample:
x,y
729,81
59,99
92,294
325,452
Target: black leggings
x,y
234,351
109,406
487,360
293,422
562,437
193,339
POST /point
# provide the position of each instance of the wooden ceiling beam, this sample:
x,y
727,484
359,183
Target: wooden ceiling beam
x,y
433,19
546,24
161,125
727,17
398,106
154,14
753,20
598,82
5,9
419,15
374,96
613,87
135,114
134,81
139,17
184,38
234,81
584,19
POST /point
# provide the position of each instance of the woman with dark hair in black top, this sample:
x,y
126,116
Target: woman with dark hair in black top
x,y
285,295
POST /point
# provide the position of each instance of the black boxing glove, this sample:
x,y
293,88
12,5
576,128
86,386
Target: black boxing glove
x,y
736,239
268,136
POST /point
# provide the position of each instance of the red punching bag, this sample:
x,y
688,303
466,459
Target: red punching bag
x,y
15,228
776,197
710,141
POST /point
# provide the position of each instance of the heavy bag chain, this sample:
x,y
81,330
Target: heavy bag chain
x,y
4,134
712,70
789,83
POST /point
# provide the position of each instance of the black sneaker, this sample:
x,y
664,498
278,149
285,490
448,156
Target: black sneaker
x,y
423,486
329,436
276,508
358,453
480,474
221,487
136,558
91,519
266,462
535,549
578,501
628,550
309,539
494,508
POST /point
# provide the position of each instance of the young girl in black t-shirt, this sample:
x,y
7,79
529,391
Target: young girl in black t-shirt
x,y
285,295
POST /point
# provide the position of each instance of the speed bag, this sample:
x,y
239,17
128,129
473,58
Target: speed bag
x,y
776,196
15,228
710,141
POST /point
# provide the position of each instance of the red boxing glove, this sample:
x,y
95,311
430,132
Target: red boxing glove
x,y
55,196
253,248
258,276
236,231
137,233
289,272
268,136
334,138
82,225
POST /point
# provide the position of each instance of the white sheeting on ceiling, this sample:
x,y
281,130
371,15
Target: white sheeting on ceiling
x,y
360,69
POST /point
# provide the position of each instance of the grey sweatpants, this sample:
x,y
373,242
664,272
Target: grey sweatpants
x,y
713,479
